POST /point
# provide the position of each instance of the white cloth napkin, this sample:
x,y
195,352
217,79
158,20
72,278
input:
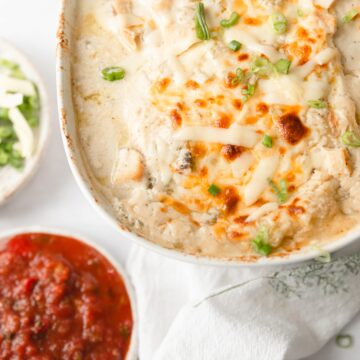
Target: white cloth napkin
x,y
192,312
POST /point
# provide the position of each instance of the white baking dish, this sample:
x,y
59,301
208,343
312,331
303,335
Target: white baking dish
x,y
84,177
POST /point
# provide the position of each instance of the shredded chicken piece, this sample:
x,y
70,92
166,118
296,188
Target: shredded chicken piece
x,y
184,161
123,9
129,166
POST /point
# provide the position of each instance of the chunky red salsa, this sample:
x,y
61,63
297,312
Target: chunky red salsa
x,y
61,299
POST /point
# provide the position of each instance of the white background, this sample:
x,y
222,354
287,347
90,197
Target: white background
x,y
52,198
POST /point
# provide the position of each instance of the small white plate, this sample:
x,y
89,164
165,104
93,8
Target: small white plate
x,y
11,180
133,347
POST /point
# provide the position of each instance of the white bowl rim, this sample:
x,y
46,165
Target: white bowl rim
x,y
44,125
69,139
8,234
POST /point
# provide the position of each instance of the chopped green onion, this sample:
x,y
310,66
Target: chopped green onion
x,y
300,12
202,30
267,141
283,66
344,341
248,92
317,104
279,23
239,77
234,45
214,190
240,73
113,73
350,16
261,66
261,242
281,192
232,21
324,257
349,138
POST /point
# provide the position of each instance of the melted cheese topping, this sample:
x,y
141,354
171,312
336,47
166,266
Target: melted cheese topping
x,y
199,118
235,135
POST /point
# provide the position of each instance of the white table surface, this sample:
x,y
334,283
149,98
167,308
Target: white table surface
x,y
52,198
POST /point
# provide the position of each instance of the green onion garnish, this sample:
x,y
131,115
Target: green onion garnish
x,y
113,73
267,141
261,66
248,92
350,16
317,104
300,12
324,257
234,45
214,190
344,341
280,191
202,30
283,66
261,242
279,23
239,77
349,138
232,21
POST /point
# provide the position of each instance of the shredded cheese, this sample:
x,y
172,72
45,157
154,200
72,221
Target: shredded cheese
x,y
261,211
236,135
10,100
242,164
9,84
252,43
23,132
260,179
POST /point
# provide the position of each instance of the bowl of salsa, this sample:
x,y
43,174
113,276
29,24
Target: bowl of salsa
x,y
63,298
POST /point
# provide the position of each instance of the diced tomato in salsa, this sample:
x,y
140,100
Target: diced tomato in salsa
x,y
61,299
